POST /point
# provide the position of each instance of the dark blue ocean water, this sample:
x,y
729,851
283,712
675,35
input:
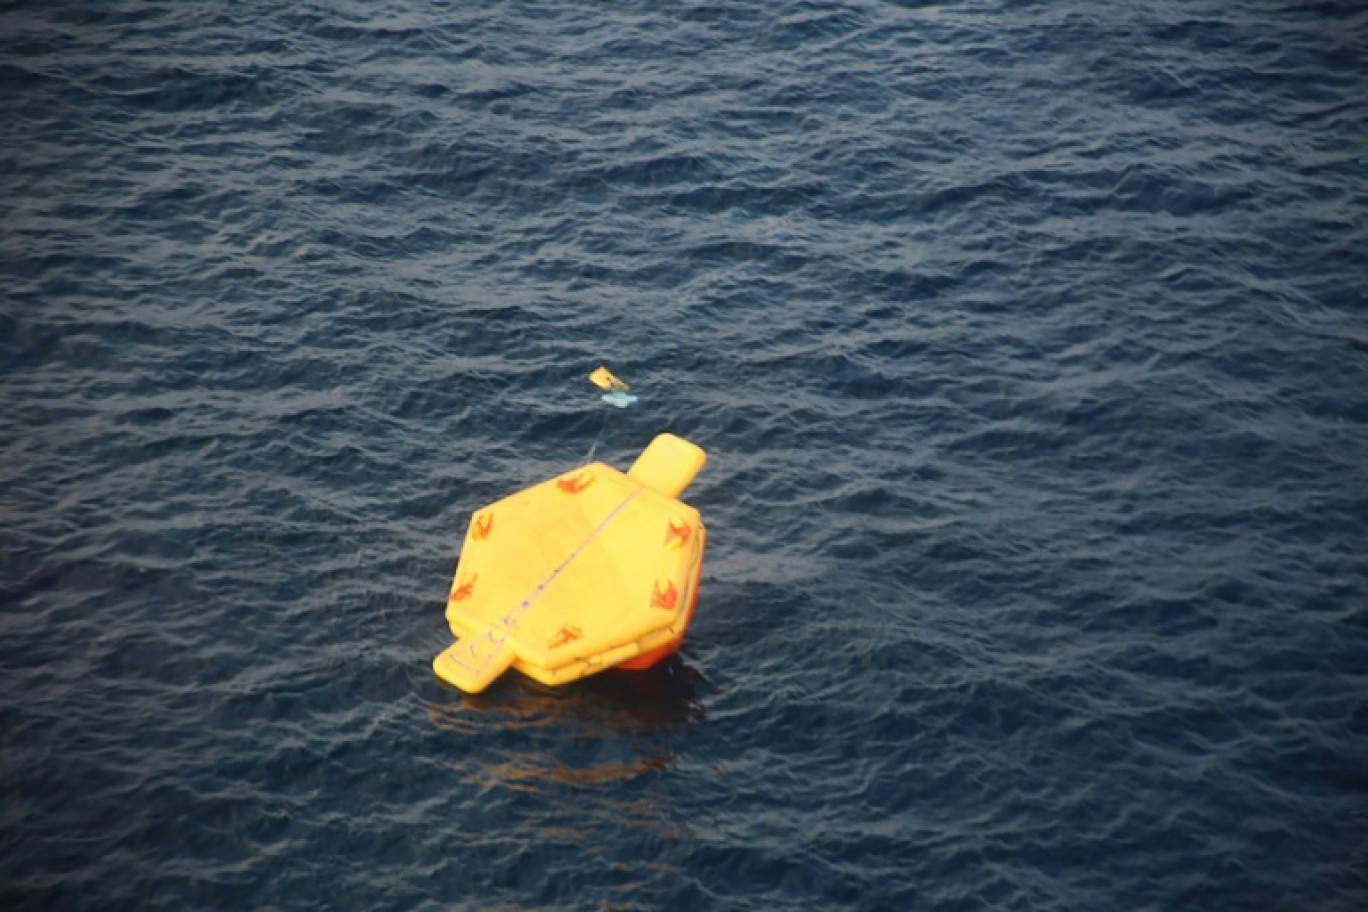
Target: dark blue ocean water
x,y
1028,341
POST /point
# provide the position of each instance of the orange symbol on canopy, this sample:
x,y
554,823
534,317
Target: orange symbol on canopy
x,y
664,597
563,636
576,483
479,530
677,536
463,591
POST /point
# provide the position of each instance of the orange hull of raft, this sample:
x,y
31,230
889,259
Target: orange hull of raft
x,y
592,570
654,657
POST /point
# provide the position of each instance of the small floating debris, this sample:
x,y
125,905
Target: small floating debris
x,y
616,394
604,379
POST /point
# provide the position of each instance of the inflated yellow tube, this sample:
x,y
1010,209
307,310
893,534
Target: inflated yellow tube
x,y
588,571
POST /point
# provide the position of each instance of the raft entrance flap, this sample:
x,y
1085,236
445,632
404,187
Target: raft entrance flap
x,y
668,464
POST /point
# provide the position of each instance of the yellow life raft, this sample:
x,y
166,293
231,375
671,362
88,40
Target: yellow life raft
x,y
591,570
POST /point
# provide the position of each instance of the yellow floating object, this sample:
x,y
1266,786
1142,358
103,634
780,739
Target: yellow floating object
x,y
604,380
591,570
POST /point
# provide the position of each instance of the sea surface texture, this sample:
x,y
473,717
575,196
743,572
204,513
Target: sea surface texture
x,y
1028,342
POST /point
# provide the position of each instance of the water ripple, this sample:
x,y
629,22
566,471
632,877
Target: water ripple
x,y
1026,343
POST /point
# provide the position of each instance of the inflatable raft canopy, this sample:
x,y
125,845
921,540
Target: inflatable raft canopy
x,y
591,570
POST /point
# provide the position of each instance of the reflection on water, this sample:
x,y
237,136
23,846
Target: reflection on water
x,y
661,699
611,727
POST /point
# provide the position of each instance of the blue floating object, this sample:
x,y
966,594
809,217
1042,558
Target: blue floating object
x,y
619,399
